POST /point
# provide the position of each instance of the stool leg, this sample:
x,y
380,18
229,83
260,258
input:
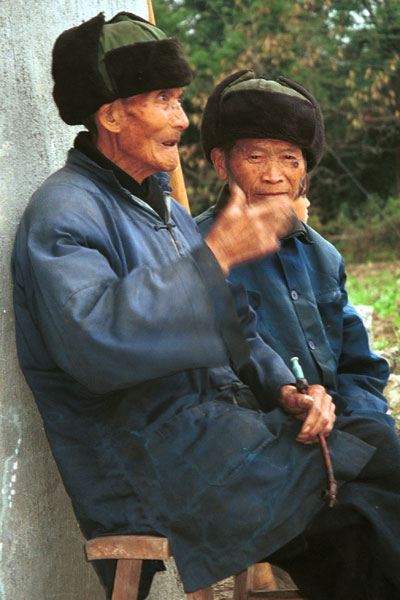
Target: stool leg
x,y
127,577
243,583
205,594
263,577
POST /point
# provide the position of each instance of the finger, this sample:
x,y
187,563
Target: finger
x,y
311,426
315,423
320,419
294,402
331,423
238,197
305,401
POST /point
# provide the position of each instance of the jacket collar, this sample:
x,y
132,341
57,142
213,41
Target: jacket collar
x,y
147,193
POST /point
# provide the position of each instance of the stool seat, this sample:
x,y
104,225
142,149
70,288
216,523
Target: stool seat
x,y
131,550
128,547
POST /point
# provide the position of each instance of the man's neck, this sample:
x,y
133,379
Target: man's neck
x,y
148,190
108,144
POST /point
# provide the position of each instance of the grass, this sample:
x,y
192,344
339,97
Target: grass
x,y
378,285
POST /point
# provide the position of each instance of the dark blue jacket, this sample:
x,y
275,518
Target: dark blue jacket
x,y
302,310
139,356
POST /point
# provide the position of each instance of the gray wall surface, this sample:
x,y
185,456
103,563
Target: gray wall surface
x,y
41,547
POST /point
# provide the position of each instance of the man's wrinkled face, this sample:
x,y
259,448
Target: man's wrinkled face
x,y
263,168
151,128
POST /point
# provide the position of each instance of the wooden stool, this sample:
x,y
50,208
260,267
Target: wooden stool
x,y
130,551
253,583
258,581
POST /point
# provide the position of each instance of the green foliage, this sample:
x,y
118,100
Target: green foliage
x,y
382,292
378,285
346,52
368,233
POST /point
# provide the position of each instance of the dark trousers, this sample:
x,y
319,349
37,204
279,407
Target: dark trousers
x,y
336,564
352,552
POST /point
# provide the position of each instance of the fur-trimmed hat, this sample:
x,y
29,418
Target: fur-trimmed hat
x,y
245,106
98,62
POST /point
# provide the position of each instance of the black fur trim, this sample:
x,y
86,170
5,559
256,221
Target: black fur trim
x,y
210,133
79,89
319,137
147,66
262,114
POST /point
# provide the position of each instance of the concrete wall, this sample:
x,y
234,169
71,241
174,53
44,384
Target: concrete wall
x,y
41,548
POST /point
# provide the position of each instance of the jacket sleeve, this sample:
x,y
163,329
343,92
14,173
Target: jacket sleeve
x,y
109,332
264,372
361,374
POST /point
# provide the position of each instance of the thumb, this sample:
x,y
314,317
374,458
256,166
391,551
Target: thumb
x,y
306,400
237,198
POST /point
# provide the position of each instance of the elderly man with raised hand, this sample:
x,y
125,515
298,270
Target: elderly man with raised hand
x,y
161,404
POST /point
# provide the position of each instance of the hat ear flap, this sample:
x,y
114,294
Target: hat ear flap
x,y
317,145
209,129
78,87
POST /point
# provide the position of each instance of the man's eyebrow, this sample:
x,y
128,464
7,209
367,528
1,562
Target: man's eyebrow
x,y
257,147
292,149
254,146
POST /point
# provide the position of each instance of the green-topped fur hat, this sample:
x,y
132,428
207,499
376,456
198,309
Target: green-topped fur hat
x,y
98,62
245,106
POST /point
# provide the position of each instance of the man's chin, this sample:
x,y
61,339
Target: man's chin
x,y
169,165
256,198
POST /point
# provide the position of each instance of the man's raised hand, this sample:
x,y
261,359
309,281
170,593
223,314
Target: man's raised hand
x,y
246,231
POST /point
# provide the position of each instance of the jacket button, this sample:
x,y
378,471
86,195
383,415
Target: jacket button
x,y
311,345
294,295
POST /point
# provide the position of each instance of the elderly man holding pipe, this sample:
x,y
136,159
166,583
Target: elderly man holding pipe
x,y
263,136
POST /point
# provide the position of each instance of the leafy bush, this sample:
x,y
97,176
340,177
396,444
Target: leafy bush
x,y
370,233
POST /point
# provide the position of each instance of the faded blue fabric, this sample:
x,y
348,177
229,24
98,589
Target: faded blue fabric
x,y
142,361
302,309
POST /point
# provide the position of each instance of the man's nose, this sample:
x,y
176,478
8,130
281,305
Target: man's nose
x,y
272,172
178,116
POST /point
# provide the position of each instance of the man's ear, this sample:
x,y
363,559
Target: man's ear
x,y
219,161
109,116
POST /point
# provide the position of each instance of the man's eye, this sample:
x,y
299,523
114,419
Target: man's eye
x,y
255,156
293,159
163,96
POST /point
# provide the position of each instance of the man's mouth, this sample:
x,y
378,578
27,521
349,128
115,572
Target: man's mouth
x,y
270,194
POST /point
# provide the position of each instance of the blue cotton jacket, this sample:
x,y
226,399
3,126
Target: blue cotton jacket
x,y
302,310
142,361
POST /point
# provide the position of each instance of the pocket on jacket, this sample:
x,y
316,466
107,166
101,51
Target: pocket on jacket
x,y
207,444
330,307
